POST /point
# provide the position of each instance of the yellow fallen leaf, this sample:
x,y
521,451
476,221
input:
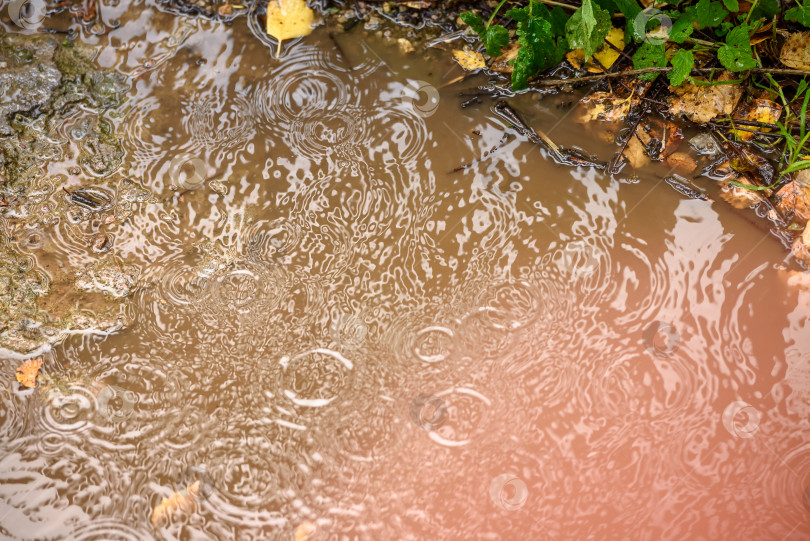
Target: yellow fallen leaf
x,y
759,110
288,19
185,500
606,55
701,103
796,51
469,60
607,106
501,63
303,531
27,372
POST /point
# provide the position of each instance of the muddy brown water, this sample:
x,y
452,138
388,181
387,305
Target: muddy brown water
x,y
332,328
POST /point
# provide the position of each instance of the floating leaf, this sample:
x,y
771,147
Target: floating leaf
x,y
185,501
27,372
469,60
288,19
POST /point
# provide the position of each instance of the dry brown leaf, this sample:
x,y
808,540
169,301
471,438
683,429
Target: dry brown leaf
x,y
759,110
27,372
606,55
469,60
636,153
673,137
606,106
501,63
740,198
682,162
796,51
801,246
703,103
185,501
288,19
793,199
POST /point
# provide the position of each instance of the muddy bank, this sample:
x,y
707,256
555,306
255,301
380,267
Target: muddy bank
x,y
53,109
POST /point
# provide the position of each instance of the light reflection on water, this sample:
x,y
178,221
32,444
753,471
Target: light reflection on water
x,y
344,333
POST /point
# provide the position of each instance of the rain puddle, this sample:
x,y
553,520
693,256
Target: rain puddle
x,y
337,336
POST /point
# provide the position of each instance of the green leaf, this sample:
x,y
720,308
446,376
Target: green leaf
x,y
629,8
800,14
764,9
494,38
736,53
683,26
649,55
587,28
539,50
732,5
474,21
608,5
558,17
682,64
710,13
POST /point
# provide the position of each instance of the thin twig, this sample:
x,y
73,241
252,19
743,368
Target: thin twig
x,y
631,73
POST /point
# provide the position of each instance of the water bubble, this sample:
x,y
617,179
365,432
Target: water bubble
x,y
316,378
187,172
348,330
732,418
422,97
508,492
654,37
27,13
661,339
115,403
428,411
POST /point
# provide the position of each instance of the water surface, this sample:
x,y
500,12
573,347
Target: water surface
x,y
334,328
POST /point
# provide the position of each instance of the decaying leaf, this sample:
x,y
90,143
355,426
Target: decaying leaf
x,y
760,110
607,106
740,198
682,162
673,137
288,19
469,60
27,372
636,153
793,199
796,51
501,63
304,530
801,246
701,104
185,501
605,56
